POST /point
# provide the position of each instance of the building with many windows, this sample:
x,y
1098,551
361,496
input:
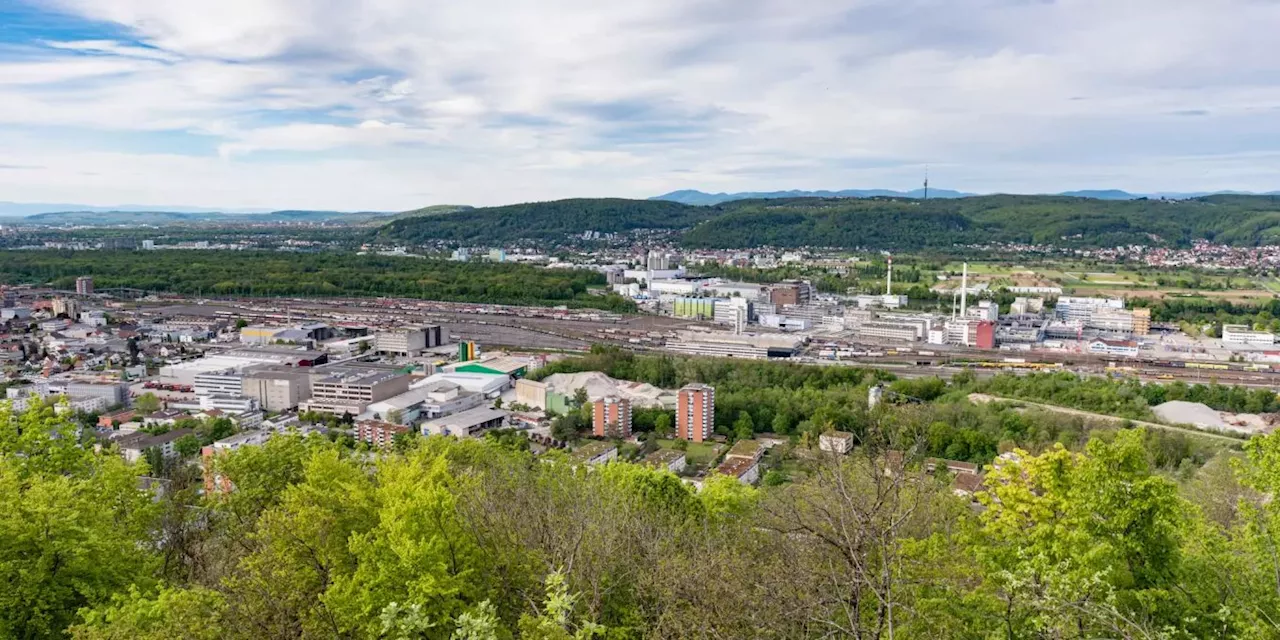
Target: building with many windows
x,y
1125,348
350,387
611,417
696,412
1244,334
377,433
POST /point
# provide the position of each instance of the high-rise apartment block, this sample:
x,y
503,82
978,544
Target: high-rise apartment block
x,y
612,418
84,285
696,412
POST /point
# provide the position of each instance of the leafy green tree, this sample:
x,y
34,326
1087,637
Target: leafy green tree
x,y
555,621
192,614
744,427
75,525
147,403
663,425
187,446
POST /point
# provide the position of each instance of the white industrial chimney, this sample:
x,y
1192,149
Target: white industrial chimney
x,y
888,281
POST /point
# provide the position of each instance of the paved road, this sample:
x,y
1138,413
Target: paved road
x,y
982,398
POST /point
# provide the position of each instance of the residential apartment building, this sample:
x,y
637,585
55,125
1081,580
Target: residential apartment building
x,y
377,433
695,412
667,459
134,446
611,417
84,286
745,470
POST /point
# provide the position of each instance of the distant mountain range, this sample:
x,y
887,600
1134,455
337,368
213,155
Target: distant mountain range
x,y
24,209
702,198
160,218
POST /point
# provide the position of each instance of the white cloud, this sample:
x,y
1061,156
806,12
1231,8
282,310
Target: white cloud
x,y
494,101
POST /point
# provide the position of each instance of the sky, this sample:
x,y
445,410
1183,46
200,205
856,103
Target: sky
x,y
396,104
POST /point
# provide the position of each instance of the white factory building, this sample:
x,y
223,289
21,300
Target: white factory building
x,y
1245,335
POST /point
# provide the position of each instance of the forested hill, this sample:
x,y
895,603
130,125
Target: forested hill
x,y
878,223
545,221
897,223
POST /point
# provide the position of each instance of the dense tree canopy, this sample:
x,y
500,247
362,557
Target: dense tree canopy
x,y
543,221
313,274
876,223
473,539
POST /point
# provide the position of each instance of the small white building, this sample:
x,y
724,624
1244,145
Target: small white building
x,y
836,442
1124,348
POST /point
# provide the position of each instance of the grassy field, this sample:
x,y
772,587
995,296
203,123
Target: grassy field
x,y
1088,280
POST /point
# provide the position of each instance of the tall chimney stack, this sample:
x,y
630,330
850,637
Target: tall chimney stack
x,y
888,282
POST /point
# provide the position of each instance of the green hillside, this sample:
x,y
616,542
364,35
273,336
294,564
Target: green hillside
x,y
875,223
544,221
895,223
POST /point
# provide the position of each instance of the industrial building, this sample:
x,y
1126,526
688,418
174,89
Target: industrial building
x,y
791,292
436,399
1125,348
1246,335
498,365
729,345
408,341
467,424
351,386
694,308
276,389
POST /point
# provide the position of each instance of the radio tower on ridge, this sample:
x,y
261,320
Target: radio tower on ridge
x,y
926,182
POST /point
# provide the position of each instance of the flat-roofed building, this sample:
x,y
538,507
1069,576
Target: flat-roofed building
x,y
435,400
745,470
135,445
752,449
1246,335
350,387
611,417
731,345
377,433
696,412
223,383
836,442
466,424
277,389
408,341
595,452
667,459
